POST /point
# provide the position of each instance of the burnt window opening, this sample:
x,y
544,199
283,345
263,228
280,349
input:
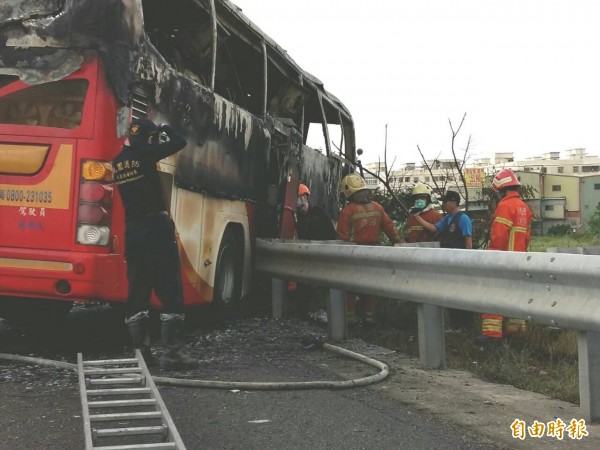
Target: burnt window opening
x,y
239,73
314,137
182,33
58,104
285,95
321,118
314,122
334,127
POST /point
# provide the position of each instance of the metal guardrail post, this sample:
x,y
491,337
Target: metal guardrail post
x,y
278,293
588,349
588,344
432,345
337,323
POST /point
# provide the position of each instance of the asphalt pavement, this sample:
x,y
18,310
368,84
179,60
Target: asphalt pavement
x,y
410,409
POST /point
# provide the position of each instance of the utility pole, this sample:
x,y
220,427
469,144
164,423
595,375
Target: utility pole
x,y
385,154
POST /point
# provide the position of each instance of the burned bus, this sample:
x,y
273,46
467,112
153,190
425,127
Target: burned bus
x,y
73,74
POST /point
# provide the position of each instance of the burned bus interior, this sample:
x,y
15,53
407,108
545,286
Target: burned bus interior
x,y
183,36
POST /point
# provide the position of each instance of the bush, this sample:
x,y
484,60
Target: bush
x,y
594,222
559,230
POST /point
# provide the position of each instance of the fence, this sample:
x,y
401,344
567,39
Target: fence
x,y
557,289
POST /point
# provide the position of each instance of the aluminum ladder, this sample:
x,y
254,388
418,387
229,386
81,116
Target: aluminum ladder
x,y
122,408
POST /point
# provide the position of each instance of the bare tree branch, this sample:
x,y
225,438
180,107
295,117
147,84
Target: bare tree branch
x,y
389,188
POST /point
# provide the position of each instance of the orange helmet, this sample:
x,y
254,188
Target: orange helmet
x,y
503,179
303,189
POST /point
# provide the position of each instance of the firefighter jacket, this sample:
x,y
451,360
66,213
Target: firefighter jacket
x,y
511,226
361,222
416,231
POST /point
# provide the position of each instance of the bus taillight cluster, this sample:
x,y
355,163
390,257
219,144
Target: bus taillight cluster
x,y
95,203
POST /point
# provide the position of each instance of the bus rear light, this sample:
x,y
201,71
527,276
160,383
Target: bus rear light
x,y
96,170
95,192
95,203
93,235
91,213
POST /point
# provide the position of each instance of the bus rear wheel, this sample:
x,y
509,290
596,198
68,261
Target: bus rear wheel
x,y
228,277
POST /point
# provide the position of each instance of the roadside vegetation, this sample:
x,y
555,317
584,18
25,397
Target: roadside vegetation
x,y
544,360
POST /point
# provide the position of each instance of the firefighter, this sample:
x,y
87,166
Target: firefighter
x,y
312,222
421,198
150,246
510,231
360,221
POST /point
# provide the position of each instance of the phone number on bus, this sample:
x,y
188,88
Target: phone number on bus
x,y
16,195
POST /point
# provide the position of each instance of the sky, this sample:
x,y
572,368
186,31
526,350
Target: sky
x,y
525,72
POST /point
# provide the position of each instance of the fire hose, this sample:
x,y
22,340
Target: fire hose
x,y
247,385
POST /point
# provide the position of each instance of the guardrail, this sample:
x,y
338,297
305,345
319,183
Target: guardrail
x,y
556,289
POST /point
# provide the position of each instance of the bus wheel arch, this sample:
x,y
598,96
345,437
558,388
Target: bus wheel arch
x,y
229,270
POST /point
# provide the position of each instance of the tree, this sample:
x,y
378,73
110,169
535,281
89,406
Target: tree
x,y
455,171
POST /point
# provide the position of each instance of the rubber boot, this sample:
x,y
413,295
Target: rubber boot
x,y
173,357
140,338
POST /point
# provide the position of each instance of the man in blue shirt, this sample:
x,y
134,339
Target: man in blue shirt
x,y
455,229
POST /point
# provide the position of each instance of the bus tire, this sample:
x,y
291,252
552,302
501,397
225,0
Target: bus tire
x,y
228,276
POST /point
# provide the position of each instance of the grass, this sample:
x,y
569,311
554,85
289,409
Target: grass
x,y
544,360
541,243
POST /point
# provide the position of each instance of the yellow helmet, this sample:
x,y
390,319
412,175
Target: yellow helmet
x,y
351,184
421,189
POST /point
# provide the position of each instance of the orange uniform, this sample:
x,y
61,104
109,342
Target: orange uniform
x,y
511,231
416,231
361,222
511,227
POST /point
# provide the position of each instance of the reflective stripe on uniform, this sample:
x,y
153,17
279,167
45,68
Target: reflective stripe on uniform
x,y
491,325
504,221
416,228
511,237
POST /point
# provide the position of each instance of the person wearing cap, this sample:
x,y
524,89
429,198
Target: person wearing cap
x,y
455,229
151,248
361,222
312,222
510,231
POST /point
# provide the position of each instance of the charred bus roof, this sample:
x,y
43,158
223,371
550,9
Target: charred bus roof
x,y
35,38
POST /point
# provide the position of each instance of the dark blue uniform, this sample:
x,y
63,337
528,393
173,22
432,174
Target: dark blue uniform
x,y
150,246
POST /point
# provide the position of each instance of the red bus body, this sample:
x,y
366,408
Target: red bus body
x,y
73,74
38,248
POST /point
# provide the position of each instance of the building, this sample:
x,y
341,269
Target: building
x,y
559,191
